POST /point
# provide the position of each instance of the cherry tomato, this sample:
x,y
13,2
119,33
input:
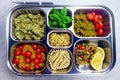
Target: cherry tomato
x,y
17,52
24,45
75,52
16,61
27,60
28,54
81,56
20,48
91,48
91,53
34,46
100,25
100,32
90,16
37,66
100,17
28,68
81,47
87,60
41,60
38,56
23,68
93,14
36,61
43,49
38,50
23,53
85,50
97,26
95,19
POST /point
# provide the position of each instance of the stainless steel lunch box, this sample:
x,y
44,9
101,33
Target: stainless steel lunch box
x,y
106,41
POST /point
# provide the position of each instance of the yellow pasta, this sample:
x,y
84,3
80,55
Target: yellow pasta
x,y
59,59
59,39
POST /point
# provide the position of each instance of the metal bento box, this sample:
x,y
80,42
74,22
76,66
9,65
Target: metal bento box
x,y
60,39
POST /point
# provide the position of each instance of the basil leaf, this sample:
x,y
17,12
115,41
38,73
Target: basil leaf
x,y
50,23
67,20
54,23
62,25
54,17
63,12
55,11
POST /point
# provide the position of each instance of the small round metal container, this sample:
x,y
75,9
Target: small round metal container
x,y
66,33
60,71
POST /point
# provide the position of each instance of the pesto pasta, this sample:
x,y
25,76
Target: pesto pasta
x,y
29,27
83,27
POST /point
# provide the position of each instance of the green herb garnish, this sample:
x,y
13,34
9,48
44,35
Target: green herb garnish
x,y
59,18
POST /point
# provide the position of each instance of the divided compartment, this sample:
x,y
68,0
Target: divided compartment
x,y
82,61
69,13
22,62
57,60
60,38
31,31
99,11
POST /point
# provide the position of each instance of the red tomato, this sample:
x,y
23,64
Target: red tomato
x,y
91,53
91,48
38,56
38,50
23,68
100,32
24,45
34,46
37,66
87,59
100,17
85,50
36,61
100,25
81,56
43,49
16,61
17,52
93,14
41,60
20,48
81,47
28,68
23,53
27,60
28,54
90,16
75,52
97,26
95,19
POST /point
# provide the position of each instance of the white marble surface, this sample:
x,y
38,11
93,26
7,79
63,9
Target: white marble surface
x,y
5,74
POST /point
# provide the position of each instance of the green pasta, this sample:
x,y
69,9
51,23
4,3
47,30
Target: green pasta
x,y
83,27
29,27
